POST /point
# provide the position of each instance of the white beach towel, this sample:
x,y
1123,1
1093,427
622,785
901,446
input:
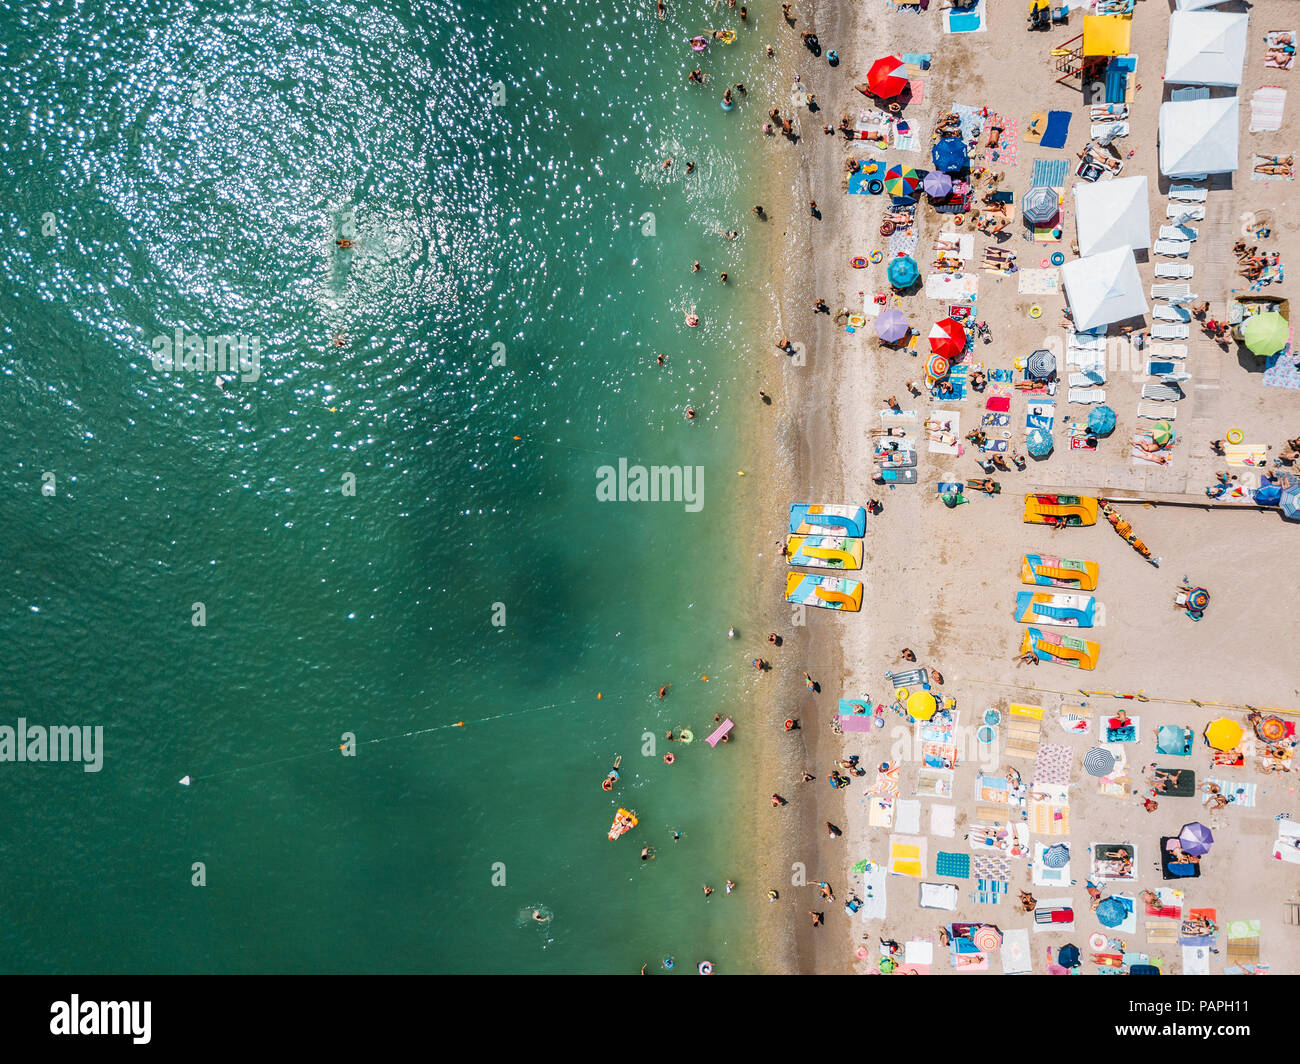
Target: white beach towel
x,y
951,422
873,893
1038,282
1196,960
952,287
943,821
918,951
1015,952
939,896
1266,106
907,816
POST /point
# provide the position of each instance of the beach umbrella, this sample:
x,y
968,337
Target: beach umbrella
x,y
1197,599
948,338
1057,855
902,181
937,184
1041,205
903,271
1111,912
1196,838
1271,729
1290,503
953,499
1039,442
891,324
1223,734
921,705
887,77
949,155
1162,433
1101,420
987,937
1170,738
936,368
1267,495
1068,955
1266,334
1098,762
1040,365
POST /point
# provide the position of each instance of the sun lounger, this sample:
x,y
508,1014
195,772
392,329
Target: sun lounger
x,y
1178,232
1163,313
1169,350
1157,412
1087,380
1175,248
1162,393
1174,270
1113,112
1087,395
1187,193
1163,369
1087,361
1170,332
1191,212
1170,291
1100,130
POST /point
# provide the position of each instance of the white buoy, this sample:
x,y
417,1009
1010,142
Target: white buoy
x,y
185,781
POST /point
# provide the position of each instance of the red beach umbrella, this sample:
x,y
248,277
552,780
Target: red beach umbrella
x,y
887,77
948,338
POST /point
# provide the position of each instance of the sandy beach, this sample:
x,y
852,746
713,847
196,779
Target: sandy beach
x,y
943,582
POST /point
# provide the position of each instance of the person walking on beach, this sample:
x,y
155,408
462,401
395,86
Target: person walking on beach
x,y
785,14
893,403
758,210
772,895
809,682
817,917
808,777
812,208
826,891
777,800
767,401
907,654
835,832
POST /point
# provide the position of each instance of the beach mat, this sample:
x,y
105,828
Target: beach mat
x,y
907,855
1236,791
1266,107
880,812
1058,129
952,865
1037,124
1052,765
907,816
1184,788
1038,282
943,821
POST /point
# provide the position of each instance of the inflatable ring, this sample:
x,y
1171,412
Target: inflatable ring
x,y
879,721
706,967
1057,258
698,44
1035,311
886,228
685,735
607,785
668,963
875,186
669,758
959,220
726,36
1042,265
877,256
902,693
789,724
857,321
858,262
727,106
1235,436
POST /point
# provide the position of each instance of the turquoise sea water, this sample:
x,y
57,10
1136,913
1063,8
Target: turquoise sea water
x,y
173,165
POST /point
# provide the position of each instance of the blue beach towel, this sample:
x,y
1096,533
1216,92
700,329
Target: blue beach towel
x,y
1050,172
1058,127
953,865
955,486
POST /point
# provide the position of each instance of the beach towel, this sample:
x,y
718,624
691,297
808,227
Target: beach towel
x,y
1237,792
1277,55
1058,128
1052,766
971,21
943,820
953,865
1047,913
1266,106
1048,817
886,783
1282,370
907,816
952,287
1037,125
950,425
1259,160
1049,877
934,783
1111,730
880,812
1040,415
938,896
1245,454
907,855
1188,937
1015,952
999,404
1196,960
1243,941
1038,282
918,951
873,892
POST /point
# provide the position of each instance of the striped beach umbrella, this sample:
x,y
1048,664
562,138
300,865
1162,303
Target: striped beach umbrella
x,y
1162,433
887,77
1041,205
1290,503
1098,762
1057,855
903,271
1196,838
1197,599
937,184
1040,365
1039,442
902,181
937,368
1266,334
987,937
948,338
891,325
1111,912
1223,734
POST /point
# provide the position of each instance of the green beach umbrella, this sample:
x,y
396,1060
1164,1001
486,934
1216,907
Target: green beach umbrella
x,y
1266,334
1162,432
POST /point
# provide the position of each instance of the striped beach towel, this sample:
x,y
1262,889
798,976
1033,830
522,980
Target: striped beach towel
x,y
1238,793
1266,109
1050,172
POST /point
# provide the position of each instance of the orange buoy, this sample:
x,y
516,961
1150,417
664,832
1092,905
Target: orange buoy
x,y
459,724
705,679
599,696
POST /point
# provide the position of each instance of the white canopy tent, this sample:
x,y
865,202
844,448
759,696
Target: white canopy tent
x,y
1198,137
1112,214
1103,288
1206,47
1197,5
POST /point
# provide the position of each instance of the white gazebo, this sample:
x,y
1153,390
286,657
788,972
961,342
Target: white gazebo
x,y
1112,214
1197,5
1103,288
1198,137
1206,47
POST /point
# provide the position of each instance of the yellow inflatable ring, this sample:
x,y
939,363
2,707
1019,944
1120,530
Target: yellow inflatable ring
x,y
901,694
877,255
1235,436
857,321
727,36
1035,311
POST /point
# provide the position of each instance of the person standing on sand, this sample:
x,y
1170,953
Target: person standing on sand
x,y
835,832
808,777
758,210
816,917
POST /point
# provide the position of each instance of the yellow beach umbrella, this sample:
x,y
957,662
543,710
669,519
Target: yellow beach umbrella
x,y
921,705
1223,734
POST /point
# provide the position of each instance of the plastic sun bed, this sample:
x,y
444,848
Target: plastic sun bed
x,y
1171,291
1170,332
1176,248
1193,213
1087,380
1157,412
1168,350
1187,193
1163,393
1087,395
1174,270
1162,313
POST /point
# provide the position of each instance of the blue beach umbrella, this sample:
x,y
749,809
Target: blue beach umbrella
x,y
1111,912
1101,420
1290,503
1039,442
949,155
903,271
1267,495
1068,956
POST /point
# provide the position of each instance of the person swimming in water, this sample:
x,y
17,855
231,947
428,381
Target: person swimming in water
x,y
344,243
540,917
663,691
